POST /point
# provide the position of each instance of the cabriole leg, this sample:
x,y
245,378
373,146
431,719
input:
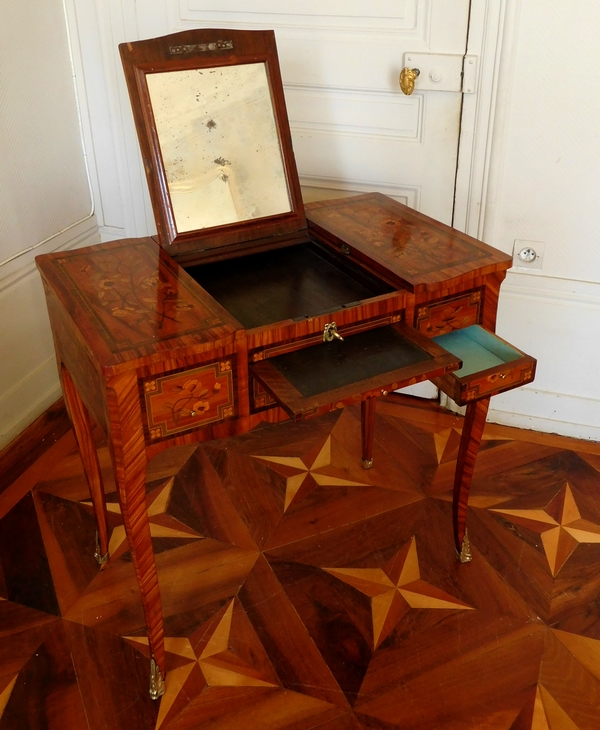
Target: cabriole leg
x,y
367,420
128,449
89,457
465,465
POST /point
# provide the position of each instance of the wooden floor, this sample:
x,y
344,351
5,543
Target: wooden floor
x,y
301,591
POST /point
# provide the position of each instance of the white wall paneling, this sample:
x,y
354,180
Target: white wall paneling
x,y
490,34
120,179
95,107
43,179
331,55
554,320
45,196
528,159
544,186
28,367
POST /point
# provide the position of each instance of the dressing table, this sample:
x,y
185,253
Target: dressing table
x,y
247,306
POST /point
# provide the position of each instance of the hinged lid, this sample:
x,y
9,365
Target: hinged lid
x,y
215,139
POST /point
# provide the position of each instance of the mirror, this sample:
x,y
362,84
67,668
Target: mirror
x,y
219,144
214,135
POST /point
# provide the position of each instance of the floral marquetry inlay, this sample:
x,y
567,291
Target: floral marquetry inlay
x,y
187,400
135,298
439,318
419,250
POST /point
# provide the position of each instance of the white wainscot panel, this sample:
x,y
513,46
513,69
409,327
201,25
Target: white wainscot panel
x,y
556,321
28,375
357,158
324,188
373,114
387,15
43,175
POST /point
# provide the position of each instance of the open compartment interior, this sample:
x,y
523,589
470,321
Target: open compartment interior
x,y
478,349
299,281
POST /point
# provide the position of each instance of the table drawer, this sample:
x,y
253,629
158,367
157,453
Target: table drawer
x,y
185,400
490,365
451,313
312,334
339,373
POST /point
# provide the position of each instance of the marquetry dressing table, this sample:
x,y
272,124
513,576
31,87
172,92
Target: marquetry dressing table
x,y
248,308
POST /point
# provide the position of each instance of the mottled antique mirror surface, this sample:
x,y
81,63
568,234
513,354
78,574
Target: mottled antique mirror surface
x,y
219,145
215,139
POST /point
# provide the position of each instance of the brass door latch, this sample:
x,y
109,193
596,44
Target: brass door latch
x,y
330,333
407,79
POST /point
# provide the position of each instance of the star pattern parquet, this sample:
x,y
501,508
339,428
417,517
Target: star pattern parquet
x,y
302,592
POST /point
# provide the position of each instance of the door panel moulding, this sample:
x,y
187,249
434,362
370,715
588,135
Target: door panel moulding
x,y
486,37
548,412
490,25
383,16
388,114
407,194
131,214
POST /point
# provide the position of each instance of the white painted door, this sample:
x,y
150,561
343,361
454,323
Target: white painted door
x,y
353,129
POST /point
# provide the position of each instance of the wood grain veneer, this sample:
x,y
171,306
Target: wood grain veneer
x,y
22,452
272,613
141,343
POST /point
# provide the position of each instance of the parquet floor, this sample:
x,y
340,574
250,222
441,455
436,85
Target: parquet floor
x,y
301,591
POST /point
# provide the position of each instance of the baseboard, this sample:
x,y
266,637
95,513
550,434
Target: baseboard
x,y
28,371
32,443
537,410
27,400
554,320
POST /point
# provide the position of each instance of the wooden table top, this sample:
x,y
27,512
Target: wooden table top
x,y
419,252
132,302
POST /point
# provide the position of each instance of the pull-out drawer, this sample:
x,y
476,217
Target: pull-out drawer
x,y
335,374
490,365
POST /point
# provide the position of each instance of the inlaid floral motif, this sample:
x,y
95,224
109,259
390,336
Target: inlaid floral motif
x,y
408,245
449,319
134,297
190,399
440,318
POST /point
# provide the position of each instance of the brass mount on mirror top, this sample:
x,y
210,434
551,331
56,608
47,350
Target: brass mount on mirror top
x,y
200,47
215,140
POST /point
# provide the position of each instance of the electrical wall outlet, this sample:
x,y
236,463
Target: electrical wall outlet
x,y
528,254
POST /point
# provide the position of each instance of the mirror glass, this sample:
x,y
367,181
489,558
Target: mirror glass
x,y
219,145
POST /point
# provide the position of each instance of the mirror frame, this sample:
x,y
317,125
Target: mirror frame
x,y
199,49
